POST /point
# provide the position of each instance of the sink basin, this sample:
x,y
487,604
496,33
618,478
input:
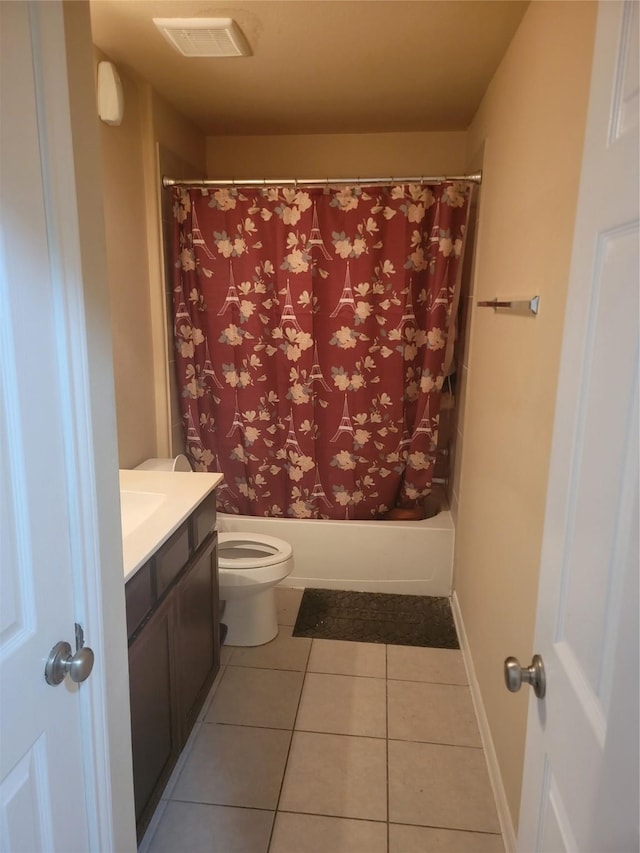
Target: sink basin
x,y
137,507
153,504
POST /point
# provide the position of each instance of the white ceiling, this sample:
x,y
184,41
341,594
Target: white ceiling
x,y
320,66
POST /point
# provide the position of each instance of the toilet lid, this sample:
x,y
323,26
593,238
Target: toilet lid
x,y
251,550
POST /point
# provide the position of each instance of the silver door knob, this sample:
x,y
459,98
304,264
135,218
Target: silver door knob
x,y
61,662
514,675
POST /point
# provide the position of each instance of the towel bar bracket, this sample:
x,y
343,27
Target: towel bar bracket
x,y
532,305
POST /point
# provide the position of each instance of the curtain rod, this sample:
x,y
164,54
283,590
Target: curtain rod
x,y
475,178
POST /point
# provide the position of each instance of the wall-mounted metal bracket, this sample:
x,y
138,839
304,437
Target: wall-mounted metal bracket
x,y
516,305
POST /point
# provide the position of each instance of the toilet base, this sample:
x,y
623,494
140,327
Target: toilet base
x,y
252,620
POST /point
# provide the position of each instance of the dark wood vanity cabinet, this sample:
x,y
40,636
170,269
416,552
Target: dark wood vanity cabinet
x,y
174,651
152,691
197,635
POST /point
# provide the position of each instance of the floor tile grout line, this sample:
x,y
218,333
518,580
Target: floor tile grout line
x,y
286,763
222,805
424,681
386,681
434,743
447,828
339,734
334,816
347,675
274,668
351,675
305,731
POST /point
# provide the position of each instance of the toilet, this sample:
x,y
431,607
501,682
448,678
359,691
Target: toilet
x,y
250,565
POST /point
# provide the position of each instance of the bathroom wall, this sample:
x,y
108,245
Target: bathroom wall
x,y
461,353
128,273
153,139
178,151
338,155
531,124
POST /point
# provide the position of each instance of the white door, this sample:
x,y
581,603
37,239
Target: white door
x,y
56,779
580,788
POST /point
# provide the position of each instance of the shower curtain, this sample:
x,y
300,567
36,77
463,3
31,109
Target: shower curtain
x,y
310,329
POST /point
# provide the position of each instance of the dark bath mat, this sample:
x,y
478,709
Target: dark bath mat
x,y
376,617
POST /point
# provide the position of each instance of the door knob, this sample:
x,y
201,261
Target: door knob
x,y
514,675
61,662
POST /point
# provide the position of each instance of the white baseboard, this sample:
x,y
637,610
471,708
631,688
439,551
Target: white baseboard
x,y
502,806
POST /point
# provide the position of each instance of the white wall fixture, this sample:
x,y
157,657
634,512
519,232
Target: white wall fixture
x,y
204,36
110,97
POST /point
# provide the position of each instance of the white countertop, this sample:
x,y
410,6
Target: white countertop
x,y
153,505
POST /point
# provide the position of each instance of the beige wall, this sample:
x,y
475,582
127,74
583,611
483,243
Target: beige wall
x,y
132,204
128,273
177,149
531,123
180,136
462,352
336,155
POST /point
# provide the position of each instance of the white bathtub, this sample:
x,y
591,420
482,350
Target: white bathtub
x,y
413,557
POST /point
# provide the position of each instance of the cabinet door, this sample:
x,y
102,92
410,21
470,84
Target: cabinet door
x,y
198,642
154,729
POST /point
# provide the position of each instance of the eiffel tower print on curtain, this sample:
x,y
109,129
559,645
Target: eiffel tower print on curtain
x,y
291,440
318,491
316,374
197,236
346,297
237,423
232,294
315,240
345,424
424,425
207,367
182,315
405,438
224,487
408,313
193,436
288,314
442,298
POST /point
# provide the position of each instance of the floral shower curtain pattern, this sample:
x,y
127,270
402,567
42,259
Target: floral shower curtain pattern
x,y
310,330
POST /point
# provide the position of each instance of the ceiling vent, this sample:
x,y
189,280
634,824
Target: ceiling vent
x,y
204,36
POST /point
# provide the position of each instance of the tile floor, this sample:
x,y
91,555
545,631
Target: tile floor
x,y
327,746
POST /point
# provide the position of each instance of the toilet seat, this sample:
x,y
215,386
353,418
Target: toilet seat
x,y
250,567
248,551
